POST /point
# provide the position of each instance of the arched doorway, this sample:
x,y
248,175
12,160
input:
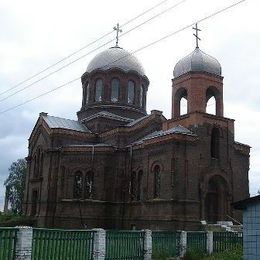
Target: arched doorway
x,y
216,200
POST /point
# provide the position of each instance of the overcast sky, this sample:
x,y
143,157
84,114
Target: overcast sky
x,y
36,34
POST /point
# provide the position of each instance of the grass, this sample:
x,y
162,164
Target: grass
x,y
235,254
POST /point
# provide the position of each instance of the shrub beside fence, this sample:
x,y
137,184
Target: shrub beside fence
x,y
7,243
165,243
62,244
124,245
227,241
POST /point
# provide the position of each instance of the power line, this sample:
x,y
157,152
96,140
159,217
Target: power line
x,y
142,48
43,94
83,56
82,48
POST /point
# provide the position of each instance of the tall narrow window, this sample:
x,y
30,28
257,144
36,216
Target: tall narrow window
x,y
215,143
89,184
157,181
114,90
130,92
141,95
34,166
78,185
84,96
139,185
133,185
41,167
183,106
211,106
34,202
87,93
180,105
98,90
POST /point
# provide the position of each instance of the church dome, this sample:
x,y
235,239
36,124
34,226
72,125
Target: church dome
x,y
116,57
197,61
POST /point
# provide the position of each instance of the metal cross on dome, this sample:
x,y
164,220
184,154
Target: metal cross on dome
x,y
118,30
196,34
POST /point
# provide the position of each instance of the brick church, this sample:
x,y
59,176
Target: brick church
x,y
118,167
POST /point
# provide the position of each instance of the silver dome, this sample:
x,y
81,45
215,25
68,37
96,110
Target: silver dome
x,y
115,57
197,61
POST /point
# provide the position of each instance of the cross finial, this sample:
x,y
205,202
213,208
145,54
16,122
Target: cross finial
x,y
196,34
118,30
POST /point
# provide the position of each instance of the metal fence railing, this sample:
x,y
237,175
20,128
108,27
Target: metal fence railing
x,y
227,241
62,244
59,244
197,241
124,245
7,243
165,243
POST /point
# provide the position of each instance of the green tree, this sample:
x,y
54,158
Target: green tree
x,y
15,185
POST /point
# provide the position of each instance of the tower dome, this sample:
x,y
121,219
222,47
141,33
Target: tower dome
x,y
114,84
116,57
197,61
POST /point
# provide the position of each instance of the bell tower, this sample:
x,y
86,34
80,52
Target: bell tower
x,y
197,78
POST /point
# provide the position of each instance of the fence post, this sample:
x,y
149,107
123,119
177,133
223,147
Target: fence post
x,y
99,249
183,243
147,244
210,242
23,246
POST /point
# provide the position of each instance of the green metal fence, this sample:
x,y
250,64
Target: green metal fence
x,y
124,245
57,244
7,243
227,241
197,241
165,243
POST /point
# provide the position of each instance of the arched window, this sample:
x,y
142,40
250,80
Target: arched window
x,y
139,185
34,166
89,179
114,90
183,106
211,106
133,186
157,181
34,200
87,92
83,96
142,96
78,185
37,164
41,167
211,101
180,106
130,92
215,143
98,90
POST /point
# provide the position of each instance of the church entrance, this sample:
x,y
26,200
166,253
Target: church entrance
x,y
216,201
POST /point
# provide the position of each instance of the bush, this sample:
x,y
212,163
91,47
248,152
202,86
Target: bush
x,y
235,254
194,255
160,256
12,220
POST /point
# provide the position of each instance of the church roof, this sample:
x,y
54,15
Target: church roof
x,y
116,57
63,123
175,130
134,122
197,61
108,115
